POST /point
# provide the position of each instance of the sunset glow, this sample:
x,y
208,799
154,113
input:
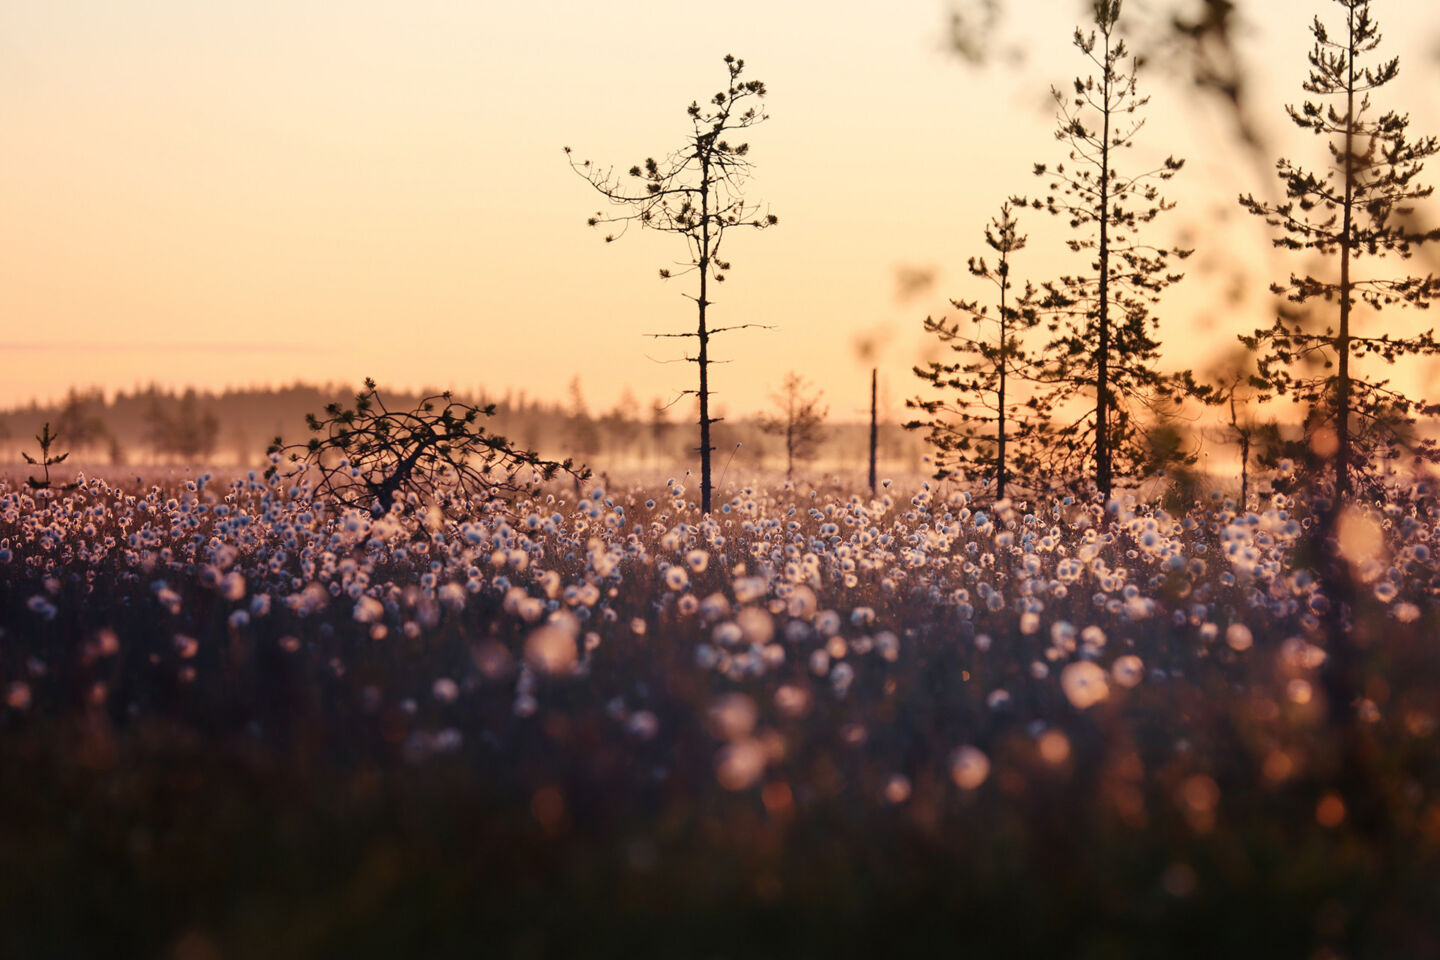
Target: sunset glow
x,y
628,479
234,194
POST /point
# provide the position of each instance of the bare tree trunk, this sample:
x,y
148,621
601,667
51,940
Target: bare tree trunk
x,y
703,358
1244,455
874,431
1102,370
1341,674
790,444
1342,346
1245,472
1000,418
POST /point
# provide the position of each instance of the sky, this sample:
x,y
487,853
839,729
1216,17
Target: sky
x,y
244,193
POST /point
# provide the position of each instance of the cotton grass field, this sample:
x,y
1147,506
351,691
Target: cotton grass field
x,y
238,721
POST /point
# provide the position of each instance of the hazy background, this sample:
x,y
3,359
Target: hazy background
x,y
240,193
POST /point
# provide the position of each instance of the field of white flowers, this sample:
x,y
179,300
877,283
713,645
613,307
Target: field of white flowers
x,y
237,722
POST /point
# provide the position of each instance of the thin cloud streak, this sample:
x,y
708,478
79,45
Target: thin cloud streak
x,y
91,346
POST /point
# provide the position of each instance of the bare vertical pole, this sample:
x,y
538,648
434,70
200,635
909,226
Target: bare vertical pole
x,y
1244,456
1103,453
1342,342
703,333
873,430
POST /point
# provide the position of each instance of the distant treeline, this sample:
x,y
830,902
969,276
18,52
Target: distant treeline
x,y
154,425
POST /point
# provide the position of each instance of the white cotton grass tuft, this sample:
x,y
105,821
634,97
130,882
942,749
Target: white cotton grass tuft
x,y
17,696
1128,670
756,626
1405,612
969,767
552,648
1360,537
897,789
1084,684
445,690
740,765
732,716
368,610
642,725
787,613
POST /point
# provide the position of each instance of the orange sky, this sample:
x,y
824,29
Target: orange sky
x,y
228,193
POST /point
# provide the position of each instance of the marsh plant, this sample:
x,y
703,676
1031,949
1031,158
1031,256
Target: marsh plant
x,y
437,453
46,460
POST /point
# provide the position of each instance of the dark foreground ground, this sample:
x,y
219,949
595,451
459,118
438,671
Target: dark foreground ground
x,y
172,838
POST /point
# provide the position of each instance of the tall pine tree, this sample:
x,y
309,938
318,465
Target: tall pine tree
x,y
977,426
1102,360
696,193
1350,214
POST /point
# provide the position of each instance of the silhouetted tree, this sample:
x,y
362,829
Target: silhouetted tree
x,y
188,433
978,428
371,457
46,440
1171,459
622,425
659,426
240,443
695,192
799,420
1235,389
1104,344
1353,209
80,422
1244,429
584,434
874,425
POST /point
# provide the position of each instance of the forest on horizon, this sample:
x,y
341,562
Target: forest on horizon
x,y
153,425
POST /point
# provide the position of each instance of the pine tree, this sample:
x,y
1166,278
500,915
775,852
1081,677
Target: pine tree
x,y
80,420
1104,352
583,430
979,428
1349,213
799,420
695,192
439,452
46,440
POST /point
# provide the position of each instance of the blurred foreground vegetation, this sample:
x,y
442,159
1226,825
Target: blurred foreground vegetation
x,y
238,723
